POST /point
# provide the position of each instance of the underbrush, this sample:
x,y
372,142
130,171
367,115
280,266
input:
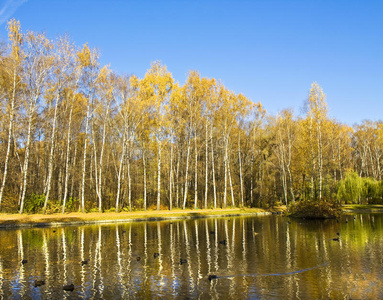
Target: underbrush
x,y
315,210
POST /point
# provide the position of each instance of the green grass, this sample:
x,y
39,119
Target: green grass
x,y
361,207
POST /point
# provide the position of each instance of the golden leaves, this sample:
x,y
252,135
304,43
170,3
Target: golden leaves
x,y
16,38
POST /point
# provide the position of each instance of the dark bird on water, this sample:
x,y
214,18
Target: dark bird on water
x,y
212,277
183,261
336,239
84,262
338,233
24,261
39,283
156,255
212,232
222,242
69,287
138,258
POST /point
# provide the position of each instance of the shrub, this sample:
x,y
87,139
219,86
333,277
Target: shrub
x,y
34,203
315,209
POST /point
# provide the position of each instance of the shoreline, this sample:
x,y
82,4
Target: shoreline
x,y
16,221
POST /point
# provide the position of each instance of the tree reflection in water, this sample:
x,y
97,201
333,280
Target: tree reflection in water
x,y
285,260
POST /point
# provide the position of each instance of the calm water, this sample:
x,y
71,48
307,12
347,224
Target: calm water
x,y
287,259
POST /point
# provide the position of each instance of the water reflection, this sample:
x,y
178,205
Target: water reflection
x,y
263,257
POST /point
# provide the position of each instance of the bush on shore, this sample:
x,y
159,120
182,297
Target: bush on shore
x,y
315,210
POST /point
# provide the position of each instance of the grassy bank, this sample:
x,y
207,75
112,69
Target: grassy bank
x,y
16,220
360,208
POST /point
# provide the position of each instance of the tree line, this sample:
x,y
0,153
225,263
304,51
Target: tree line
x,y
75,135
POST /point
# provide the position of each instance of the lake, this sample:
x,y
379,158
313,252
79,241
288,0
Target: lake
x,y
266,257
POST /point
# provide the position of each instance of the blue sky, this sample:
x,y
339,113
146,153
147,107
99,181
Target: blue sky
x,y
271,51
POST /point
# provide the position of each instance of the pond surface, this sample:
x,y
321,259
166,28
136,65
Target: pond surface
x,y
268,257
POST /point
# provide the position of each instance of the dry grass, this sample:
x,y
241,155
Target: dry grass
x,y
16,219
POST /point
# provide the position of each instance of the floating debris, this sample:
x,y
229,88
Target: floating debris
x,y
69,287
39,283
211,277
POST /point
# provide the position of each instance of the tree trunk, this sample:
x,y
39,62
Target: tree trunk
x,y
67,160
186,176
84,161
50,166
195,169
26,159
212,166
320,159
206,165
225,178
171,178
231,187
120,172
159,177
73,167
177,178
144,165
129,184
240,169
99,193
10,128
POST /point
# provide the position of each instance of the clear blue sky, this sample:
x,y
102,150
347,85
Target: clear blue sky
x,y
271,51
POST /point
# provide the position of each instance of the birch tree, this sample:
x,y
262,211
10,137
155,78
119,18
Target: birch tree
x,y
14,63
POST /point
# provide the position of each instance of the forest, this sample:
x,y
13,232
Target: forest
x,y
76,136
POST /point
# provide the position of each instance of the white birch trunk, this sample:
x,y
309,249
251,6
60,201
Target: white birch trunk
x,y
206,165
26,161
144,165
240,169
129,182
186,176
212,166
225,178
50,166
99,192
177,178
84,160
171,178
10,128
159,177
231,187
120,172
67,160
195,170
